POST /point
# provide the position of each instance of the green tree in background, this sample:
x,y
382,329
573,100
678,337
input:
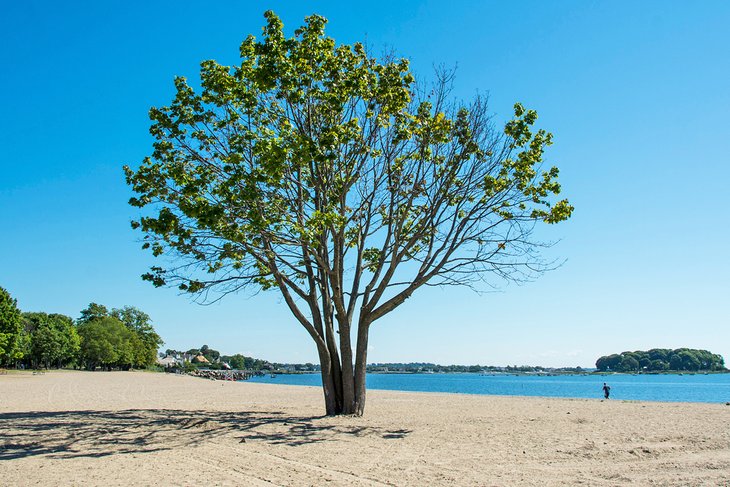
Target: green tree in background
x,y
332,177
662,359
53,340
140,323
661,354
93,312
241,362
629,364
11,325
210,354
106,342
138,348
658,365
120,338
675,362
237,361
609,362
690,361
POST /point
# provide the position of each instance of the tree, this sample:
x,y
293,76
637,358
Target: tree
x,y
675,362
46,348
106,342
53,340
93,312
237,362
332,177
689,360
146,342
609,362
140,323
644,362
658,365
629,364
659,354
11,324
718,362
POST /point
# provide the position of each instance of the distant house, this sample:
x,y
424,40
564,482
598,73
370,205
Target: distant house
x,y
200,359
168,361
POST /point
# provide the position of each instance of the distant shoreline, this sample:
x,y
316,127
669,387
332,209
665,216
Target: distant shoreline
x,y
596,373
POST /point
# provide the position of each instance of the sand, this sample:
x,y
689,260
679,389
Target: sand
x,y
136,428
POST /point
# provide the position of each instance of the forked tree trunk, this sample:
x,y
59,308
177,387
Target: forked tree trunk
x,y
344,387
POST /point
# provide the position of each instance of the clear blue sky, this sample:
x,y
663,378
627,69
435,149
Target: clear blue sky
x,y
636,93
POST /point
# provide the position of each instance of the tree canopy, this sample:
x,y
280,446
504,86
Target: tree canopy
x,y
10,327
331,176
141,324
105,344
120,338
661,359
53,340
92,312
241,362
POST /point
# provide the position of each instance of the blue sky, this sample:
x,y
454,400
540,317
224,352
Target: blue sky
x,y
637,95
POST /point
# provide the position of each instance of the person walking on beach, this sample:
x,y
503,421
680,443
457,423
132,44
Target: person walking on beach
x,y
606,390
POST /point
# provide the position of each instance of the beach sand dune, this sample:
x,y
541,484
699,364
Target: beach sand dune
x,y
134,428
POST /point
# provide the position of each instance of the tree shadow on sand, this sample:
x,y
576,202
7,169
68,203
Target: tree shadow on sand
x,y
69,434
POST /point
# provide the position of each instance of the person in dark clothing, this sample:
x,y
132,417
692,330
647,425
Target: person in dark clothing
x,y
606,390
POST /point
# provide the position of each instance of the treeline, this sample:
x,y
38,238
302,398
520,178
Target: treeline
x,y
662,360
415,367
421,367
120,338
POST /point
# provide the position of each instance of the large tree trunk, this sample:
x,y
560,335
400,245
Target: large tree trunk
x,y
348,382
344,388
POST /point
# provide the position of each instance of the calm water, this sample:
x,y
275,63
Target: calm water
x,y
673,388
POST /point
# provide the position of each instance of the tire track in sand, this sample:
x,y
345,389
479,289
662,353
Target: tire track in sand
x,y
239,477
319,473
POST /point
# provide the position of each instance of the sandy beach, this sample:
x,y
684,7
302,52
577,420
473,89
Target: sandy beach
x,y
135,428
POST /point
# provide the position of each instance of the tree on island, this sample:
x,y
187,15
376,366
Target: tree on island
x,y
334,178
660,360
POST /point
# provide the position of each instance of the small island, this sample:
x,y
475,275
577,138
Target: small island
x,y
658,360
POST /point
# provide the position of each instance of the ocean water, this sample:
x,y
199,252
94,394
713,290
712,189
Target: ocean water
x,y
670,388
